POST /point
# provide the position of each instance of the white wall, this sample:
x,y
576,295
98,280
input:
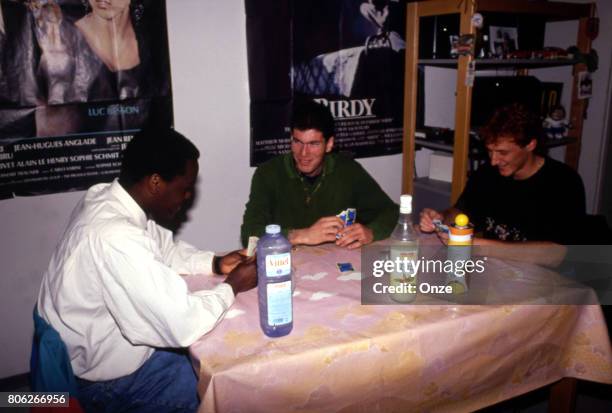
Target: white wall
x,y
594,134
211,107
594,138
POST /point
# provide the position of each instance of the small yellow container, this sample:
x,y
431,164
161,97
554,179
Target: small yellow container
x,y
461,232
460,238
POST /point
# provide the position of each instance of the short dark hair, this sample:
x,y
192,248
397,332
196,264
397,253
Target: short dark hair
x,y
513,121
309,114
156,151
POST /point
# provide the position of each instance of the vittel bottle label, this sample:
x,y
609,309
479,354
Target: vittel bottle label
x,y
279,303
278,265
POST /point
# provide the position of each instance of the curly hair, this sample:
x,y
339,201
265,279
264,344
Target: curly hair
x,y
163,151
512,121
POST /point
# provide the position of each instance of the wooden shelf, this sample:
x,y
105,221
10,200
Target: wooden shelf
x,y
551,11
433,185
553,143
440,146
483,64
447,147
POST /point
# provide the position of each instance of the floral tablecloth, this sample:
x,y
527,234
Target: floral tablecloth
x,y
346,357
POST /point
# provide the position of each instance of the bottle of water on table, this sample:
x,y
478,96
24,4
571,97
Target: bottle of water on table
x,y
405,248
274,283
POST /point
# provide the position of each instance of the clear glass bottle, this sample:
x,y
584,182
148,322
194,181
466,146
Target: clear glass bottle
x,y
274,283
404,251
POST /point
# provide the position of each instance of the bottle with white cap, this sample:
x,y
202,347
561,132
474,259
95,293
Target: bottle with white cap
x,y
274,283
404,251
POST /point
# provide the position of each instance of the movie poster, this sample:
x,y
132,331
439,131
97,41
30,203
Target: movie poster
x,y
77,79
347,54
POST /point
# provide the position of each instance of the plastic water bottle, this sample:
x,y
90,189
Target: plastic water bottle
x,y
405,248
274,283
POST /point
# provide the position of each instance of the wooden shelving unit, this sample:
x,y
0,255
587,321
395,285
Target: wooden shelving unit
x,y
552,11
502,63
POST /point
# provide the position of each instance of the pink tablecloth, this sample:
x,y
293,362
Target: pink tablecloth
x,y
344,356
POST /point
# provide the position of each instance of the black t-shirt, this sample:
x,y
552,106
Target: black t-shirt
x,y
548,206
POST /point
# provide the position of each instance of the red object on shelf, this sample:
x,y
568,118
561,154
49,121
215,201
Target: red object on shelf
x,y
546,53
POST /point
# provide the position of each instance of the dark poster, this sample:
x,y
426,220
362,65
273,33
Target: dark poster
x,y
347,54
77,79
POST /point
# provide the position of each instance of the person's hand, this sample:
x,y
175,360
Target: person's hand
x,y
443,237
426,219
243,277
324,230
354,236
229,261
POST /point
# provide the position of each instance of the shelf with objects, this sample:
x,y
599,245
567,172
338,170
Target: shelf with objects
x,y
472,51
435,192
492,63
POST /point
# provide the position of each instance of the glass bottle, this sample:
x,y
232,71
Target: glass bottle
x,y
404,253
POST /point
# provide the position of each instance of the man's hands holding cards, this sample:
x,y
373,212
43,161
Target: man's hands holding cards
x,y
341,228
354,236
427,218
324,230
231,260
239,266
432,220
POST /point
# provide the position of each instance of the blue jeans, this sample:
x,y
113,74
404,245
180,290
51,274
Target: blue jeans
x,y
165,383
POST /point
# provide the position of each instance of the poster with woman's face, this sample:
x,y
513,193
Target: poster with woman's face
x,y
80,78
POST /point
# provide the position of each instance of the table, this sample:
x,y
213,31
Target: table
x,y
346,357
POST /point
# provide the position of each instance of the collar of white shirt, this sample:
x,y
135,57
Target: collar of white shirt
x,y
133,209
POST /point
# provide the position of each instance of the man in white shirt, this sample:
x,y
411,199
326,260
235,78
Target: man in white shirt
x,y
113,291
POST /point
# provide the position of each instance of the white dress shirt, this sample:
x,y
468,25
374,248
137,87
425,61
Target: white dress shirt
x,y
113,291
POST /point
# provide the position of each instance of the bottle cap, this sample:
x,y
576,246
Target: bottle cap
x,y
272,229
406,204
462,220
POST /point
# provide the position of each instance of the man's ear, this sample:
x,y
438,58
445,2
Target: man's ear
x,y
154,183
532,145
330,144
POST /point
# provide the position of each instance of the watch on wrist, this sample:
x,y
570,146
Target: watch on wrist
x,y
216,265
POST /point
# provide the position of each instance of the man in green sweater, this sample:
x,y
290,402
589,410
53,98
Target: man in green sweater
x,y
304,190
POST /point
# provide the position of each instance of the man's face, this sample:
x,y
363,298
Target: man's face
x,y
173,194
510,158
309,149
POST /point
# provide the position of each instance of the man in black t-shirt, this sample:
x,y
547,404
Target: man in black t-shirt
x,y
521,195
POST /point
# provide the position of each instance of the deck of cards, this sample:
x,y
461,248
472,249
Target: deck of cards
x,y
348,216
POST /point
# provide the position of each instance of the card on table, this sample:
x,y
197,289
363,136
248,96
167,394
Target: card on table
x,y
345,266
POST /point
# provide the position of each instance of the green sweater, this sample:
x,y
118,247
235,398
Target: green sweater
x,y
279,195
